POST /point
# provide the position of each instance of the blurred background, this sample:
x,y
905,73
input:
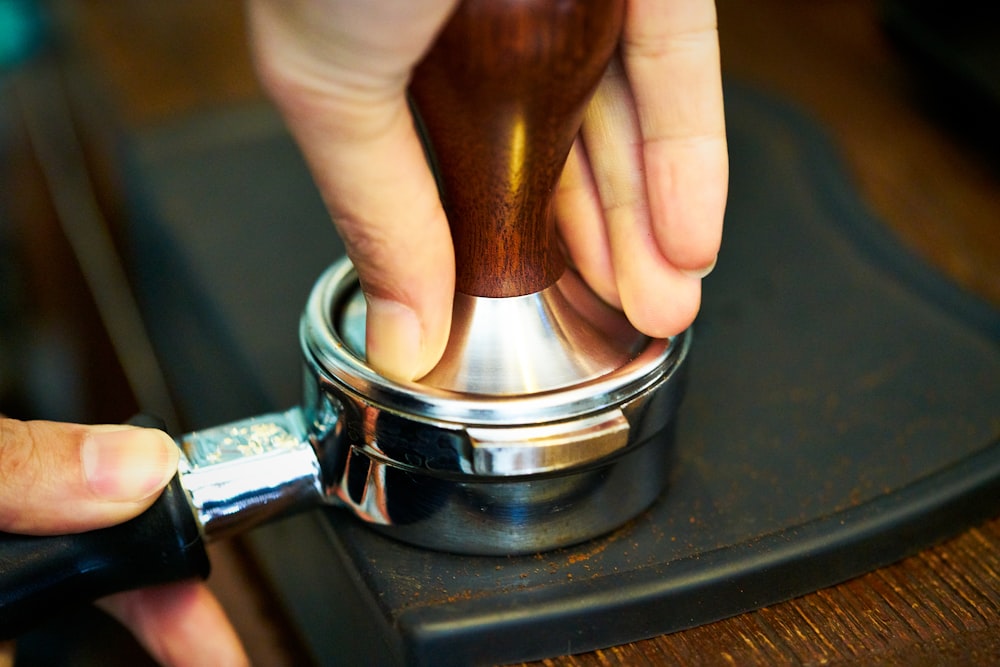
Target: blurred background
x,y
79,82
909,92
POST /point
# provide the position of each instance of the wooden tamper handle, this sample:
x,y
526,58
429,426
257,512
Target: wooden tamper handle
x,y
501,96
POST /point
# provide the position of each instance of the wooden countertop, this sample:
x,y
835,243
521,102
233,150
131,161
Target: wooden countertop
x,y
933,185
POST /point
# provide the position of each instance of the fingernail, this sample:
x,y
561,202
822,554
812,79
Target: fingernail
x,y
699,274
126,463
394,342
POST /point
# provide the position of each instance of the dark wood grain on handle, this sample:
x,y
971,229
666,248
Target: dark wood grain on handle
x,y
501,97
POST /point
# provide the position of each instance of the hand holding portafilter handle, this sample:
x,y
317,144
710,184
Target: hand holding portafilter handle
x,y
43,575
63,478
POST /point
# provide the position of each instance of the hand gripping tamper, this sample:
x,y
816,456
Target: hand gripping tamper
x,y
547,421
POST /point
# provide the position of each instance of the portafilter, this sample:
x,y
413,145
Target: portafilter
x,y
547,421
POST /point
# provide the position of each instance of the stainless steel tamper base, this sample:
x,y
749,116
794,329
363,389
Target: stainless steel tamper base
x,y
511,458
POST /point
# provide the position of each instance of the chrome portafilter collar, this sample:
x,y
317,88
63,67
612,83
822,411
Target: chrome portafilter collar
x,y
545,424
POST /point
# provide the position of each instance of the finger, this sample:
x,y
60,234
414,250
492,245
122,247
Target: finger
x,y
385,204
358,136
580,222
670,51
659,298
179,625
63,478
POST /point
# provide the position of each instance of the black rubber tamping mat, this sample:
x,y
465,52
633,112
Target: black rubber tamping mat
x,y
842,412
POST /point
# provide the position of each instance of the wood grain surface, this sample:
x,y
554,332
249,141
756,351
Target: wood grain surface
x,y
501,109
934,186
939,607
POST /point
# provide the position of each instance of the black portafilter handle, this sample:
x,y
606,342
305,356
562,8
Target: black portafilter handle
x,y
42,575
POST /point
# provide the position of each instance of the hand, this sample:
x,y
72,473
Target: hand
x,y
64,478
641,200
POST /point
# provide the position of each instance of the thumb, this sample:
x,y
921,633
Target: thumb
x,y
64,478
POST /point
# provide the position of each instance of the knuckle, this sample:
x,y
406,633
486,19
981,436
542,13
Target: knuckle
x,y
18,450
22,470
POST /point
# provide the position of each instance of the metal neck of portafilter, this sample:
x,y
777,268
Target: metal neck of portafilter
x,y
500,97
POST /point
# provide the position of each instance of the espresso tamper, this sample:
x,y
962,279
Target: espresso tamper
x,y
546,423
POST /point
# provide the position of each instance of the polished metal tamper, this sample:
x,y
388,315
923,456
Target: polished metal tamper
x,y
546,423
